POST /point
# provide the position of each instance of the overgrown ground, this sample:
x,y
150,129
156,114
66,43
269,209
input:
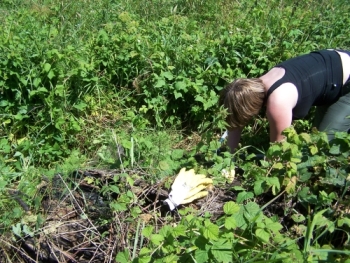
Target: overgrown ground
x,y
101,104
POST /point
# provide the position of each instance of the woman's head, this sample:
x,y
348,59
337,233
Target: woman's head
x,y
243,99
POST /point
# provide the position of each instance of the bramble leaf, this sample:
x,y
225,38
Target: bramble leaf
x,y
231,208
211,231
230,223
262,234
123,257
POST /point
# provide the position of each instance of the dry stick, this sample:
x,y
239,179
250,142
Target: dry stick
x,y
113,247
53,252
19,250
82,211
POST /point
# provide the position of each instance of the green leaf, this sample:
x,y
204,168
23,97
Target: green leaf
x,y
298,218
123,257
313,149
222,251
335,149
114,189
274,227
119,207
230,223
51,74
306,137
160,83
343,221
240,219
80,106
36,82
168,75
179,230
278,166
201,256
170,258
163,165
263,235
47,67
231,208
147,231
181,86
211,231
251,210
258,189
177,94
157,239
242,196
177,154
16,229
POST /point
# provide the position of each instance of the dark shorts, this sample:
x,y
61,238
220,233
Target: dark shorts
x,y
335,117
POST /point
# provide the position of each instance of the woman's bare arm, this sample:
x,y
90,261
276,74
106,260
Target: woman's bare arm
x,y
279,110
233,138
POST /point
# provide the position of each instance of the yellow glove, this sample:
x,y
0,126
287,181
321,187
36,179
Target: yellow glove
x,y
187,187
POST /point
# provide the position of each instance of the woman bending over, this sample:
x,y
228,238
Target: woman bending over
x,y
288,91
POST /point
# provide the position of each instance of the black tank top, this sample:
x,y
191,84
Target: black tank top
x,y
318,77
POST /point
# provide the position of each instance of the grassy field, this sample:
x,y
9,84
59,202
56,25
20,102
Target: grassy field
x,y
103,102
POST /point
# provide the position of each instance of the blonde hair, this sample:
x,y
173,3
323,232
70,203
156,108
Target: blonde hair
x,y
243,99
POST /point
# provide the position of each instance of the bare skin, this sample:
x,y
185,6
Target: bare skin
x,y
280,103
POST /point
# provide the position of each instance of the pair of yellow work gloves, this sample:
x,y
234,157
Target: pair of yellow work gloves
x,y
187,187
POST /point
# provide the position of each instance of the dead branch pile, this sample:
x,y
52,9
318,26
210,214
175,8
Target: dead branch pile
x,y
80,226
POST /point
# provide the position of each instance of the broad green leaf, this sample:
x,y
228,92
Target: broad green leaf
x,y
290,187
177,94
343,221
240,220
313,149
273,181
335,149
51,74
47,67
147,231
251,210
171,258
157,239
201,256
222,251
231,208
179,230
274,227
160,83
211,231
242,196
123,257
306,137
230,223
119,207
27,231
181,86
16,229
168,75
114,189
80,106
36,82
263,235
258,188
278,166
177,154
163,165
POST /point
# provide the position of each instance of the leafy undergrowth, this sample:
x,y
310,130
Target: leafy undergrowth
x,y
100,83
294,208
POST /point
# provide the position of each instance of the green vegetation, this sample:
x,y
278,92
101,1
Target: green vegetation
x,y
132,87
